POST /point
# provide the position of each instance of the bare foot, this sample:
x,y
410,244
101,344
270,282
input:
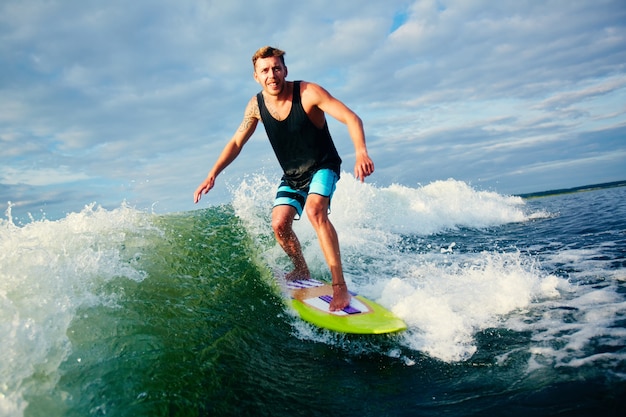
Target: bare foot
x,y
298,274
341,298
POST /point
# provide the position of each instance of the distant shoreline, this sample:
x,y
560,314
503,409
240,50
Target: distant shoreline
x,y
574,190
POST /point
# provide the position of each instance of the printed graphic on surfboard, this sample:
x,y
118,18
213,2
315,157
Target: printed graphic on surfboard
x,y
322,301
311,300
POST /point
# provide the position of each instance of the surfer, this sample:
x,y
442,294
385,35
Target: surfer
x,y
294,116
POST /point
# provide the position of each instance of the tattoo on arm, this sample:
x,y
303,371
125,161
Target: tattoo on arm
x,y
252,113
245,124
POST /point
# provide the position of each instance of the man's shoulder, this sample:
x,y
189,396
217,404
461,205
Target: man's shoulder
x,y
312,93
308,88
308,85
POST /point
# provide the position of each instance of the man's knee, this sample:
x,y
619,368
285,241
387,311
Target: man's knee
x,y
282,219
280,226
317,210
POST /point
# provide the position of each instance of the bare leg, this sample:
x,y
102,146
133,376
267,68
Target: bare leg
x,y
282,221
317,210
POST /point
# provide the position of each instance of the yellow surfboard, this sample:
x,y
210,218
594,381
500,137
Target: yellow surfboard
x,y
311,300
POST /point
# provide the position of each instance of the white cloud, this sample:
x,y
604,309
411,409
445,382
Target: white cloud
x,y
563,99
446,88
40,177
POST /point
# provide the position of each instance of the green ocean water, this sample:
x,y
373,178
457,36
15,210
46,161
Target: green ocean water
x,y
205,333
183,340
514,311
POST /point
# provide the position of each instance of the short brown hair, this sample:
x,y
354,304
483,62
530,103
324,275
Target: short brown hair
x,y
268,52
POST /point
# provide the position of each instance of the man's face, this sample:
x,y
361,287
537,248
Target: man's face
x,y
270,73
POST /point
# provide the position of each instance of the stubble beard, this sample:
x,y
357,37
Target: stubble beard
x,y
280,85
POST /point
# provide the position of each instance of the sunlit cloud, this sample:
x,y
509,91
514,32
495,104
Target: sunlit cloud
x,y
117,100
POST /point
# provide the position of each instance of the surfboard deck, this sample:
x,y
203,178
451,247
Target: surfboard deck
x,y
311,298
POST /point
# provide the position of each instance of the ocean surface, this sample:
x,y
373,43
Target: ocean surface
x,y
514,308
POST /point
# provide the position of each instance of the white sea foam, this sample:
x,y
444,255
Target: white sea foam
x,y
49,270
445,305
433,208
447,293
567,329
444,297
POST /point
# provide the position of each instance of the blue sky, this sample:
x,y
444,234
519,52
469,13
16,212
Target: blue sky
x,y
106,101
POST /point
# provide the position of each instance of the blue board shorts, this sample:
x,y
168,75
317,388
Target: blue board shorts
x,y
324,183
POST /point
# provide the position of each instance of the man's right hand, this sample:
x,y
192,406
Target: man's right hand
x,y
203,188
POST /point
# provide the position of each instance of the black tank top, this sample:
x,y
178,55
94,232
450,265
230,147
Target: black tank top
x,y
300,147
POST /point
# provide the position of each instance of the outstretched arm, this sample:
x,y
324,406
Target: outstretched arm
x,y
321,98
232,149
